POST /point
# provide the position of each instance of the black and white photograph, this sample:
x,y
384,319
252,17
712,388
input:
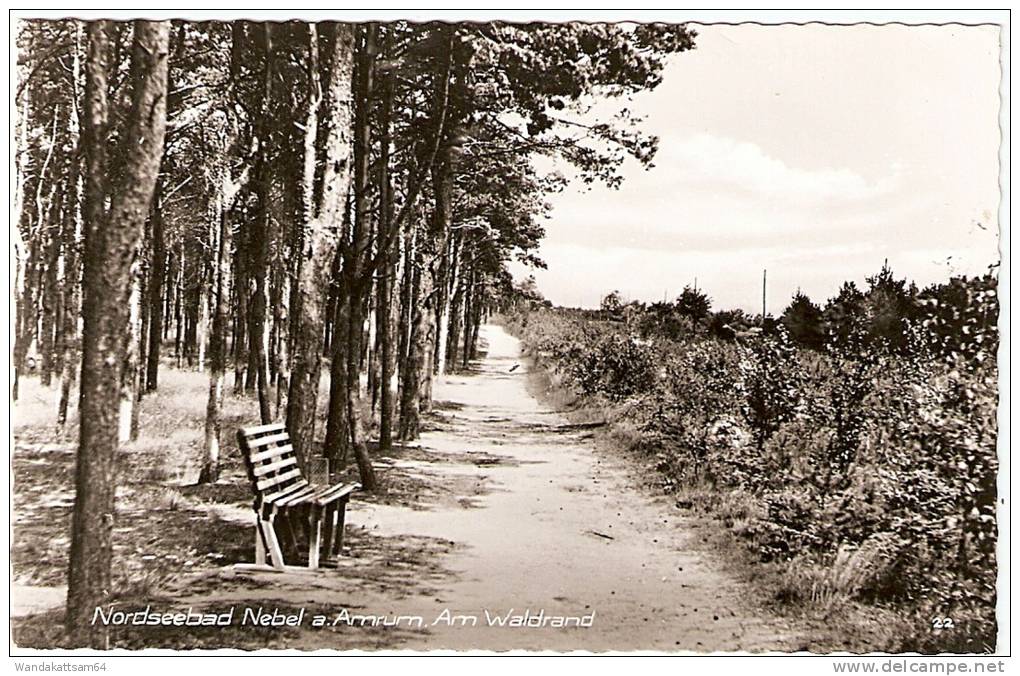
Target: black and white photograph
x,y
509,333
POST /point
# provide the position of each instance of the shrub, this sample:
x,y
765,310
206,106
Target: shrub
x,y
770,383
688,411
613,365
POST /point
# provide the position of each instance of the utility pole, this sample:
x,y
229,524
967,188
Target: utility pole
x,y
764,275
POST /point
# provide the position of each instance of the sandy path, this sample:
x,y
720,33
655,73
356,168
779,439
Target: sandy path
x,y
530,542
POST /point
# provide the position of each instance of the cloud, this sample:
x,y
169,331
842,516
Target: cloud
x,y
743,166
708,191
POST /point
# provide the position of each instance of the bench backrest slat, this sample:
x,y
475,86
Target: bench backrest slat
x,y
267,440
271,453
262,470
269,482
262,429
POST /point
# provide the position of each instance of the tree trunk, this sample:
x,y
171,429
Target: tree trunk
x,y
433,290
71,287
221,276
21,259
456,321
156,277
168,295
323,219
384,289
405,322
414,367
202,323
416,388
469,309
178,305
476,322
128,427
240,346
281,333
218,342
111,241
50,293
190,303
17,283
259,243
337,443
344,428
26,311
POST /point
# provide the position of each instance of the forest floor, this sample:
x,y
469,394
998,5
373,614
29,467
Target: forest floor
x,y
504,506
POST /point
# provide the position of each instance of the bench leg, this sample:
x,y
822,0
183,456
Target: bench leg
x,y
294,522
260,546
314,536
269,533
338,539
330,530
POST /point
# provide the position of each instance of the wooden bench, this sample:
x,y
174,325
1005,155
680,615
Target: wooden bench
x,y
289,510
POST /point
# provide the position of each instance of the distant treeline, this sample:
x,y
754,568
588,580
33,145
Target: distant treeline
x,y
958,314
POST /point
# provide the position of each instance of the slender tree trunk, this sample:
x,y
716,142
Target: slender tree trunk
x,y
476,323
455,322
259,243
218,342
441,318
128,428
410,402
405,322
202,323
324,216
47,215
435,299
416,388
469,308
21,258
71,289
168,294
111,241
17,283
240,346
281,337
178,305
337,422
221,276
384,299
362,241
373,343
50,296
193,294
344,427
71,283
156,277
143,334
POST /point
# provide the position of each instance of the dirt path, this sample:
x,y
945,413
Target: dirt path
x,y
559,529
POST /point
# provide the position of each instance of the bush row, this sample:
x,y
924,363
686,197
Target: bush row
x,y
875,464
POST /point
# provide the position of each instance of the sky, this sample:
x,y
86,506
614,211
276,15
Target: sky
x,y
815,152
